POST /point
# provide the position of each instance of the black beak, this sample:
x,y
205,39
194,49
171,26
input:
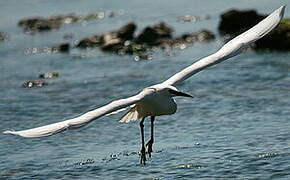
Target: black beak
x,y
179,93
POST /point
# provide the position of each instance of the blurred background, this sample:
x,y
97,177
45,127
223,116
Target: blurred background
x,y
236,127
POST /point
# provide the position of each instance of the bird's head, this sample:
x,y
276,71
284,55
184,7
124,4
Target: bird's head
x,y
169,91
173,91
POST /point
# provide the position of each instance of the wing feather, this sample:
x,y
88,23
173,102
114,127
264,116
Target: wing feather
x,y
232,48
81,120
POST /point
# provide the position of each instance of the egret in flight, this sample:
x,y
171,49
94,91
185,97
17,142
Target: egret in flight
x,y
158,99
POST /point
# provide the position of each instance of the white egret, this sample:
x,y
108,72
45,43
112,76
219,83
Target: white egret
x,y
158,99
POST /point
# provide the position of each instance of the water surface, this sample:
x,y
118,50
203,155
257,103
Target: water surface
x,y
236,127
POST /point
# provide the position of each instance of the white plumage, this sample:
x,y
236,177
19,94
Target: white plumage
x,y
156,104
158,99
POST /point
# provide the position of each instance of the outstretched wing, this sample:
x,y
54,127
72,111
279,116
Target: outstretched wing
x,y
83,119
232,48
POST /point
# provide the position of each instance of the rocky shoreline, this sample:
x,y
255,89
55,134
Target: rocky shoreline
x,y
125,40
122,41
235,21
32,25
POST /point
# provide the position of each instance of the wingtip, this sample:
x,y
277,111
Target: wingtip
x,y
9,132
20,133
282,10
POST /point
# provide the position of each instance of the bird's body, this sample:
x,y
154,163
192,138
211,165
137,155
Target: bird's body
x,y
158,99
158,103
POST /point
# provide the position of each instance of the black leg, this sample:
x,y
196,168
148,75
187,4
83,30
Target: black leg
x,y
143,155
149,144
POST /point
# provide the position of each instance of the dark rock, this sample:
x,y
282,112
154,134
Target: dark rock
x,y
39,24
151,35
127,47
122,41
91,42
201,36
148,35
133,48
93,16
127,32
180,42
34,83
205,35
278,39
49,75
236,21
111,38
3,37
64,47
110,41
163,30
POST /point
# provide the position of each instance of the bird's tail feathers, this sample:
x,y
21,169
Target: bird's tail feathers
x,y
131,115
119,110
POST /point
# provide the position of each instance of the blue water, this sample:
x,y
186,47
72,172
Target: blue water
x,y
236,127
